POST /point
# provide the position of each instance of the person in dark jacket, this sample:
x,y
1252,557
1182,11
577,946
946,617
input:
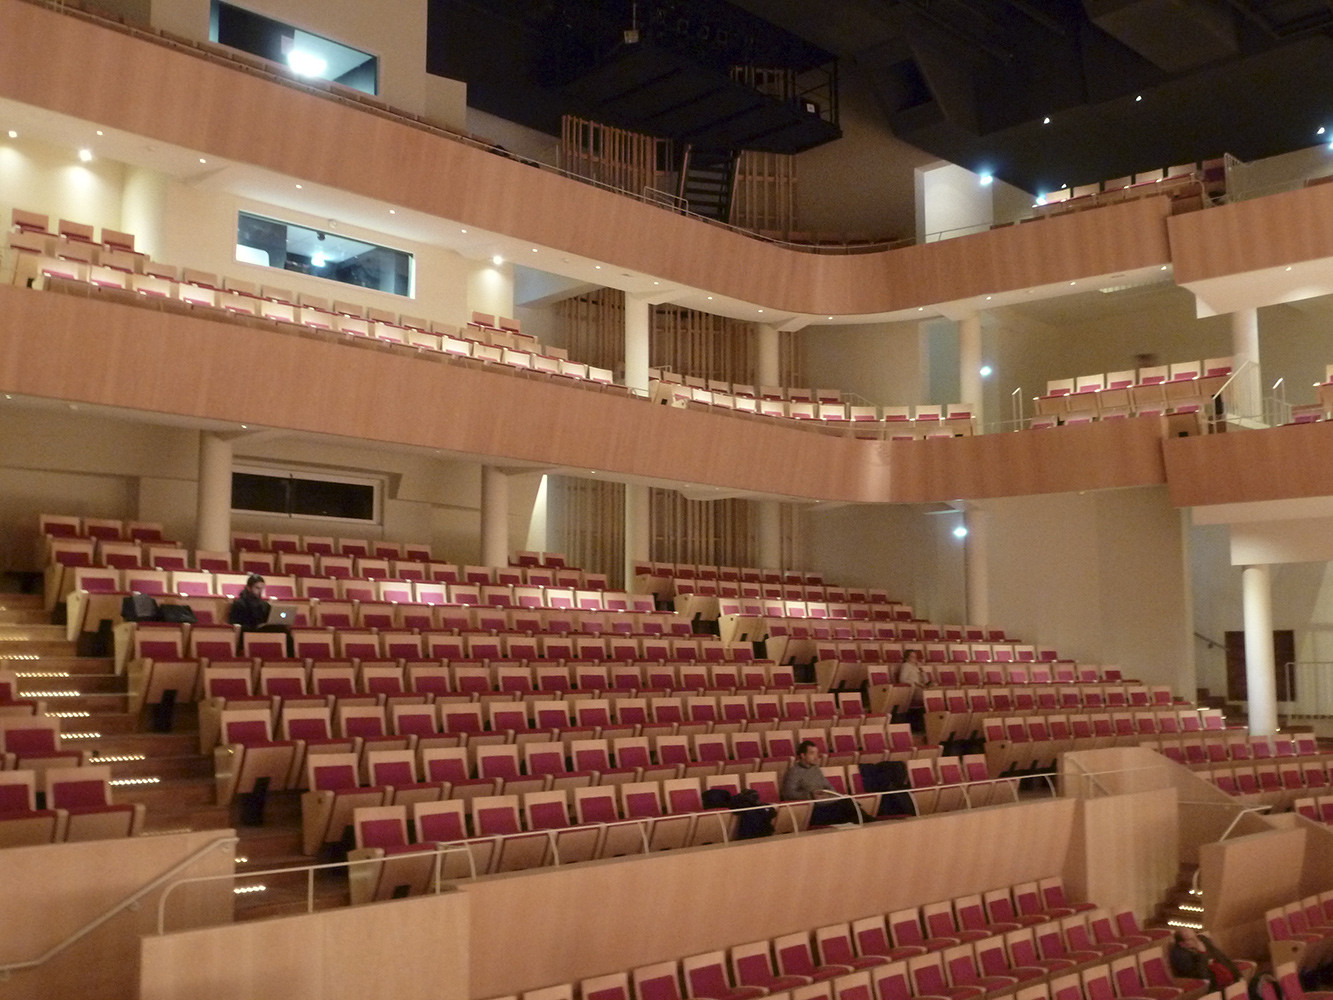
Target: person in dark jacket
x,y
1194,956
250,610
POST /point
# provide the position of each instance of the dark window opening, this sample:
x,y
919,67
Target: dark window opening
x,y
324,254
306,54
299,496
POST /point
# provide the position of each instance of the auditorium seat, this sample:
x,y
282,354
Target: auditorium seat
x,y
21,822
335,791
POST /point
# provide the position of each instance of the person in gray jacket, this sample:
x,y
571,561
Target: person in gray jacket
x,y
805,778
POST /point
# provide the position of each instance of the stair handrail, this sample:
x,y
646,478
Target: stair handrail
x,y
128,902
1193,882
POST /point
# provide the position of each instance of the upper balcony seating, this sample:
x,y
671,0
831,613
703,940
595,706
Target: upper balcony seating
x,y
1186,185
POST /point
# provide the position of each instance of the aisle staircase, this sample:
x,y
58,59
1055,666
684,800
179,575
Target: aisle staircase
x,y
164,771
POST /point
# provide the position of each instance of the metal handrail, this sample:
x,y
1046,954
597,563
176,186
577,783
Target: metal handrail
x,y
641,823
124,904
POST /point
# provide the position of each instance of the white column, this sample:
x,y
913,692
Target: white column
x,y
1260,675
770,533
769,369
494,517
1248,387
637,529
977,565
969,364
213,513
636,343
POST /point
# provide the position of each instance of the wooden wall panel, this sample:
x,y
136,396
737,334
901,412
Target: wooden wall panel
x,y
49,892
84,350
413,949
1275,464
673,904
123,82
1241,878
1125,850
702,532
1250,235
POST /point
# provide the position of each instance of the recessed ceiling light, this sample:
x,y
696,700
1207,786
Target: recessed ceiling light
x,y
497,260
597,267
710,298
1045,121
13,134
1288,267
987,298
830,317
1319,131
1163,267
761,310
99,131
393,211
920,309
463,231
534,249
1138,98
1073,282
298,187
656,282
985,180
202,160
245,427
85,155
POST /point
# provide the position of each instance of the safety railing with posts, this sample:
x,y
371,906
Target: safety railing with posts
x,y
456,861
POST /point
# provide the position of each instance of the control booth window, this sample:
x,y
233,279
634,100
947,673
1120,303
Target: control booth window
x,y
322,253
302,495
304,53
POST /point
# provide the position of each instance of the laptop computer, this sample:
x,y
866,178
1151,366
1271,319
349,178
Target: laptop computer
x,y
281,614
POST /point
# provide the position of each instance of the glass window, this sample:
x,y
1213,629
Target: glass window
x,y
325,254
294,494
304,53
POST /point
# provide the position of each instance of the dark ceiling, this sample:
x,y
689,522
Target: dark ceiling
x,y
1127,85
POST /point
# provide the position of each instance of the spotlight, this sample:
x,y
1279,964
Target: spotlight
x,y
13,134
306,63
986,371
497,260
960,531
86,155
985,180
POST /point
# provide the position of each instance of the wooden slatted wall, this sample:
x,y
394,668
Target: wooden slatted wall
x,y
702,532
765,195
626,161
589,520
594,328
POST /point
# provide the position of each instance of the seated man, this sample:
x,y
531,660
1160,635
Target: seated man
x,y
251,612
805,780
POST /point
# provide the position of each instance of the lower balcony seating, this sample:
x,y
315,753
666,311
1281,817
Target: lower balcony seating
x,y
1187,388
1301,933
77,806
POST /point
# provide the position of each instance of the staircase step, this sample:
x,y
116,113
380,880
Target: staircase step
x,y
11,601
36,647
80,666
172,793
24,616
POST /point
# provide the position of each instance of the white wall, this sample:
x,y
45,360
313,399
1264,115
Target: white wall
x,y
863,182
1100,575
40,177
881,362
397,39
514,137
951,201
54,460
899,546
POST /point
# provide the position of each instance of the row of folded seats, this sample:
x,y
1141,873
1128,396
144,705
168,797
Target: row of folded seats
x,y
1187,387
58,803
558,816
379,638
1280,785
900,422
1301,932
75,253
1019,743
1237,745
970,712
665,724
194,292
962,949
1053,683
744,574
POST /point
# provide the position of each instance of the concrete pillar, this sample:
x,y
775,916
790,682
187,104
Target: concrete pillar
x,y
770,533
969,364
1260,675
977,565
768,371
494,517
636,343
1247,396
213,514
638,529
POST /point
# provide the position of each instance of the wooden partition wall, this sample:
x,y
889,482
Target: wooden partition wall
x,y
1283,462
765,193
702,532
47,893
589,519
82,350
412,949
627,161
1242,877
613,915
